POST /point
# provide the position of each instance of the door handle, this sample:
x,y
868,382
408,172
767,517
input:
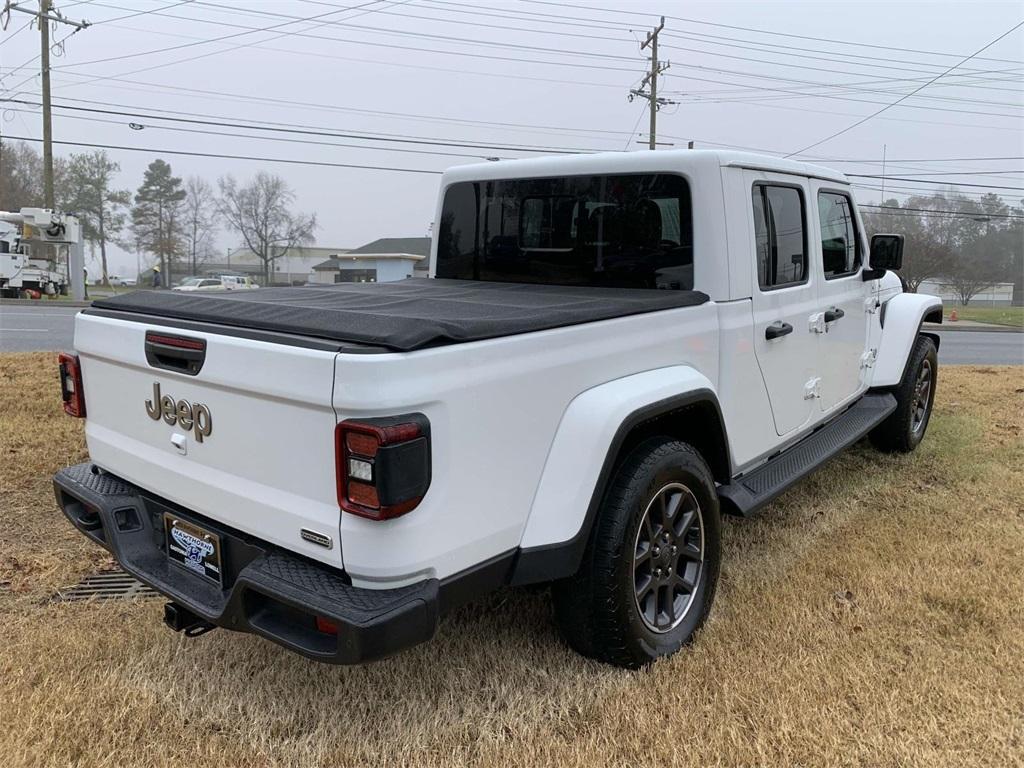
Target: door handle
x,y
777,329
831,315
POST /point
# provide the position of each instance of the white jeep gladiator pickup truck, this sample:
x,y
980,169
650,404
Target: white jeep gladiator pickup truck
x,y
612,351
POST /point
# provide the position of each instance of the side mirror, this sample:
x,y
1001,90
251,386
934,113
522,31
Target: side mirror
x,y
886,252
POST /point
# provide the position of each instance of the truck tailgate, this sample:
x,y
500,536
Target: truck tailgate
x,y
261,459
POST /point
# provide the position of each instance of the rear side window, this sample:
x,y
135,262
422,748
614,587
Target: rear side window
x,y
840,250
627,231
779,236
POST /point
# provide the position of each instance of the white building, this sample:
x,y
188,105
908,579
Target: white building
x,y
999,294
384,260
295,267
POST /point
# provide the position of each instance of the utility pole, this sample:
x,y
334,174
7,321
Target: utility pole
x,y
654,103
44,67
44,16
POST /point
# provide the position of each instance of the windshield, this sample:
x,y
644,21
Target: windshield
x,y
191,281
628,231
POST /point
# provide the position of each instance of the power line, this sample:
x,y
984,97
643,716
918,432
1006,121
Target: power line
x,y
475,24
935,210
926,181
206,132
374,30
252,30
602,134
220,121
786,50
317,54
961,173
248,31
903,98
918,121
835,71
813,84
319,131
928,160
769,32
321,163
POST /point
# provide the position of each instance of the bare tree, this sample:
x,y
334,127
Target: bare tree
x,y
199,220
260,212
927,253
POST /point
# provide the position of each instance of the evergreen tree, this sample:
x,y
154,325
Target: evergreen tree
x,y
156,217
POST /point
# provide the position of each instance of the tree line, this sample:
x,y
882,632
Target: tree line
x,y
964,244
172,222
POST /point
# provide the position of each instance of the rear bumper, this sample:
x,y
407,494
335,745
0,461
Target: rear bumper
x,y
266,591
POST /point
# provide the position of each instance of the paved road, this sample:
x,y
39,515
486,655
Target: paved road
x,y
981,348
28,328
49,327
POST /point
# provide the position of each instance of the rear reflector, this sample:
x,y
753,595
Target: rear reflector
x,y
71,392
383,465
326,626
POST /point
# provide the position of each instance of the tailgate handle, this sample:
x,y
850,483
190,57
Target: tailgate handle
x,y
175,353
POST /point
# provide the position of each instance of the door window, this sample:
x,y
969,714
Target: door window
x,y
779,236
840,250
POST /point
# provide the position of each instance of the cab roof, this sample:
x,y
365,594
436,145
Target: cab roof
x,y
674,160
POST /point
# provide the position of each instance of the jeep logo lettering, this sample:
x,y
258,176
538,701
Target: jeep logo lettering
x,y
194,417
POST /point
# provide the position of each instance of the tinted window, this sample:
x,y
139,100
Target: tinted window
x,y
840,251
630,231
779,239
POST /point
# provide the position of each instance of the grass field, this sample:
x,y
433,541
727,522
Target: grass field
x,y
996,315
873,616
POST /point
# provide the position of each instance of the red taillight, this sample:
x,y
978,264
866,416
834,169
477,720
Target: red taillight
x,y
71,391
326,626
383,465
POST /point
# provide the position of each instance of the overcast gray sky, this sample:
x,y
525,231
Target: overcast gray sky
x,y
775,76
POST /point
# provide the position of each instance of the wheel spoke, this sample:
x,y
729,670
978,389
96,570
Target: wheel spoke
x,y
685,522
679,580
642,558
674,503
666,518
670,604
691,552
643,591
649,528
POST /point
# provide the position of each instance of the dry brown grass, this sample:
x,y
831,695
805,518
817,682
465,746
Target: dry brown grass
x,y
873,616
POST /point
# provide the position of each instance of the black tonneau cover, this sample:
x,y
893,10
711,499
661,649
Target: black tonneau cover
x,y
402,316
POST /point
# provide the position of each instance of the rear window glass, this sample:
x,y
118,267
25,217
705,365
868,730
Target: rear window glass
x,y
629,231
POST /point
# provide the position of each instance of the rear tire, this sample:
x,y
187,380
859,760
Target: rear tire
x,y
649,573
904,429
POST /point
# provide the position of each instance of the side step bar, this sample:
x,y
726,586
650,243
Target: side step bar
x,y
746,494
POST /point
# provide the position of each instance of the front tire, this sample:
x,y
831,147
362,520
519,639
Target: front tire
x,y
904,429
649,574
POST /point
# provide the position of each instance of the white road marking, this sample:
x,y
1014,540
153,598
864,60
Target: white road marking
x,y
70,313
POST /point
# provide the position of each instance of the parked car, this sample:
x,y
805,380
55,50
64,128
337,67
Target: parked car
x,y
117,281
200,284
238,282
658,339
